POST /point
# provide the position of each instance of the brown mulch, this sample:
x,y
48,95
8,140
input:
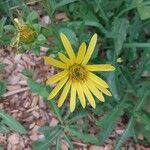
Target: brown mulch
x,y
28,108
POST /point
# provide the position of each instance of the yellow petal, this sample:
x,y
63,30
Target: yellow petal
x,y
81,95
57,88
56,77
64,93
54,62
97,79
95,91
67,46
102,67
73,96
89,95
90,49
64,59
102,89
81,53
17,21
15,41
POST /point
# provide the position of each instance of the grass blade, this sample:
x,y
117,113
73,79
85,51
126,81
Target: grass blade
x,y
138,45
108,122
2,22
12,123
84,137
45,143
126,134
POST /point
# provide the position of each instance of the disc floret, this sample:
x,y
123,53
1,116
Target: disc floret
x,y
77,73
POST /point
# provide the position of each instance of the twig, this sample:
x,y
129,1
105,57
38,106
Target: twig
x,y
23,82
34,108
15,92
80,144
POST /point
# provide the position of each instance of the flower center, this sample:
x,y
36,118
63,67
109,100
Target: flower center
x,y
27,34
77,73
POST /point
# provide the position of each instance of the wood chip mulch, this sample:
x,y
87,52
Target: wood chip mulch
x,y
26,107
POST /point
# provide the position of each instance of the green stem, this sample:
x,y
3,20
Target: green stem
x,y
68,141
56,110
102,12
145,96
140,45
132,7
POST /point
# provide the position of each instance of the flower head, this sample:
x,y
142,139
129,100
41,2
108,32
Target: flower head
x,y
25,33
77,76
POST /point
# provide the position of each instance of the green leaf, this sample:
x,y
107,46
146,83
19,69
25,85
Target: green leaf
x,y
102,12
58,144
127,76
144,131
37,27
77,117
139,45
50,7
45,143
120,26
27,72
142,100
98,25
35,49
90,24
109,121
49,131
84,137
136,2
40,39
112,80
4,128
10,28
68,141
63,3
144,12
53,105
128,131
132,4
2,22
1,148
2,87
143,118
36,87
12,123
144,61
32,16
126,134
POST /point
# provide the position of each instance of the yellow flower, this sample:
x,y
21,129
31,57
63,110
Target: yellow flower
x,y
77,76
25,33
